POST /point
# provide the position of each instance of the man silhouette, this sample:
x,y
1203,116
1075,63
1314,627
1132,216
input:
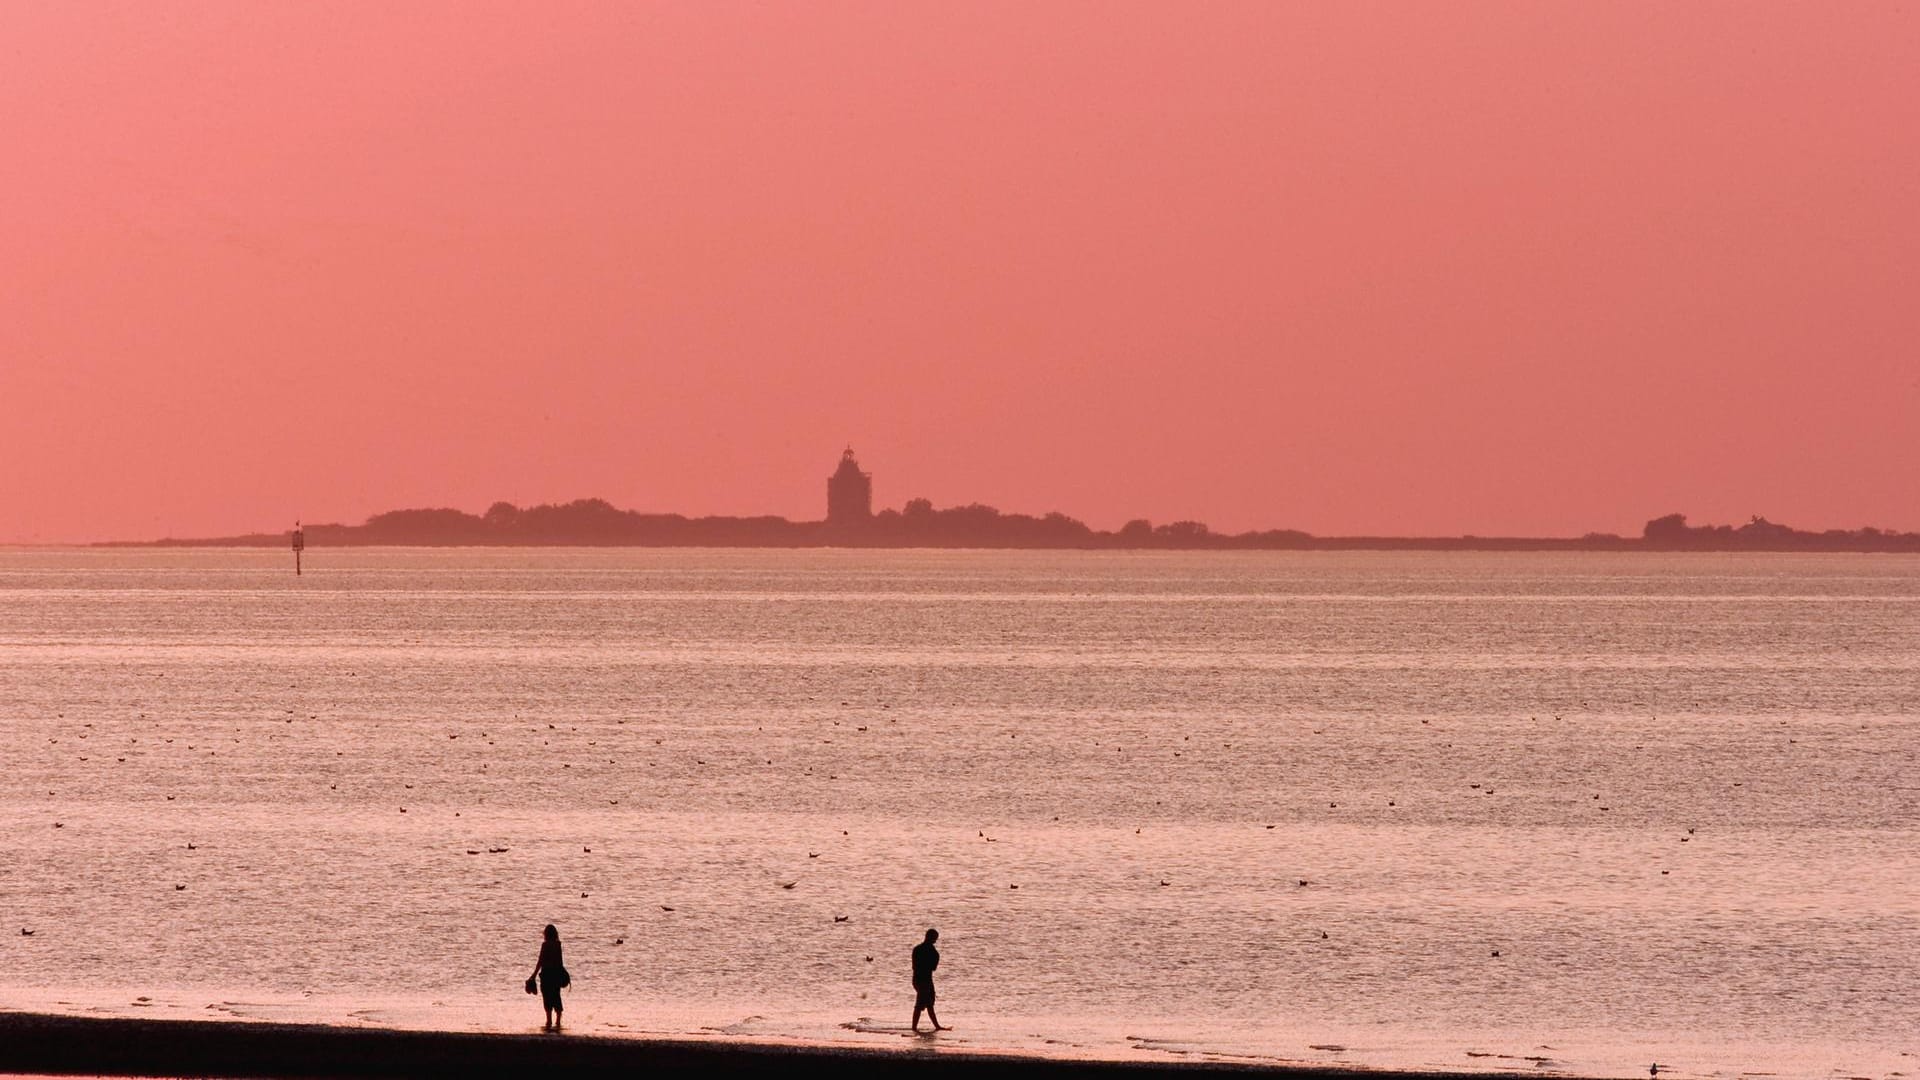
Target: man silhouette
x,y
925,959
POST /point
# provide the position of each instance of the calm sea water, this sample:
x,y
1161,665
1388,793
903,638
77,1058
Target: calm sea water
x,y
1553,812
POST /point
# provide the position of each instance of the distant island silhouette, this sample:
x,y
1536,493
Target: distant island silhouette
x,y
851,522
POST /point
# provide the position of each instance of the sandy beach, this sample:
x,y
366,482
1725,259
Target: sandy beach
x,y
40,1043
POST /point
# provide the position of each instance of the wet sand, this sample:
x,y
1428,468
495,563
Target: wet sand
x,y
32,1042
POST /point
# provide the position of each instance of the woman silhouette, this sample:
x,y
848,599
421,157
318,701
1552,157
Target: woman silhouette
x,y
553,978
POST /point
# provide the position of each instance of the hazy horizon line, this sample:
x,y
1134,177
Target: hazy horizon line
x,y
1599,536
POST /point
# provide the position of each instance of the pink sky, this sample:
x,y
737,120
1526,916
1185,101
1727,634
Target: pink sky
x,y
1353,268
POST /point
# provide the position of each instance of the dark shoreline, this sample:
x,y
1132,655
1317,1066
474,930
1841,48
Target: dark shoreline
x,y
597,523
126,1046
1330,543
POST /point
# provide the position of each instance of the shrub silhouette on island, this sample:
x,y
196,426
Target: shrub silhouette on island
x,y
1672,533
598,523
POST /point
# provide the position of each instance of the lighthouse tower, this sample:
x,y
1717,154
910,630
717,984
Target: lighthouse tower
x,y
849,493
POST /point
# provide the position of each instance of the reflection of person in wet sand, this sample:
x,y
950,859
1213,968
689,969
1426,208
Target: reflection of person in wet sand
x,y
925,959
553,978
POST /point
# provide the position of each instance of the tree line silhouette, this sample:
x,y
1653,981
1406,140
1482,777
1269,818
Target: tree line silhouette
x,y
598,523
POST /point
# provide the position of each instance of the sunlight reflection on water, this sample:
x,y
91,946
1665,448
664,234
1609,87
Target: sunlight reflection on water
x,y
1675,794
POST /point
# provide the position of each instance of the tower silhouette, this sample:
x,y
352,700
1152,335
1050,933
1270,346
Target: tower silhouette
x,y
849,493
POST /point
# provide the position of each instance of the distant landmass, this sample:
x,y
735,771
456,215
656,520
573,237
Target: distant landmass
x,y
596,523
851,522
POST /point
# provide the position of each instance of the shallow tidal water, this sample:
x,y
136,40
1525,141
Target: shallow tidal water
x,y
1558,813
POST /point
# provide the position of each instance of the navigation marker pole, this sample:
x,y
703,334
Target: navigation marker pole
x,y
299,545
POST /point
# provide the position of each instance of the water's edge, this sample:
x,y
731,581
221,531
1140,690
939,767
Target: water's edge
x,y
138,1047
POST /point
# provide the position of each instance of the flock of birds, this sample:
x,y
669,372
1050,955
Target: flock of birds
x,y
791,884
489,738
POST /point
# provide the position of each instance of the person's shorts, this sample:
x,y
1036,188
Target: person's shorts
x,y
923,995
549,993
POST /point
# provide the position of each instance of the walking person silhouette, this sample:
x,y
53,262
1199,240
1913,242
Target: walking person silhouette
x,y
925,959
553,977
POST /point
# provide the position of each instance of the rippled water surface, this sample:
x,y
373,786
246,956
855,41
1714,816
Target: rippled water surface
x,y
1548,812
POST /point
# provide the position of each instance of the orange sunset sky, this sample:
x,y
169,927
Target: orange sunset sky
x,y
1522,268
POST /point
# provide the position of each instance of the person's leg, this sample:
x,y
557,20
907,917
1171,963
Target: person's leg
x,y
935,1017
